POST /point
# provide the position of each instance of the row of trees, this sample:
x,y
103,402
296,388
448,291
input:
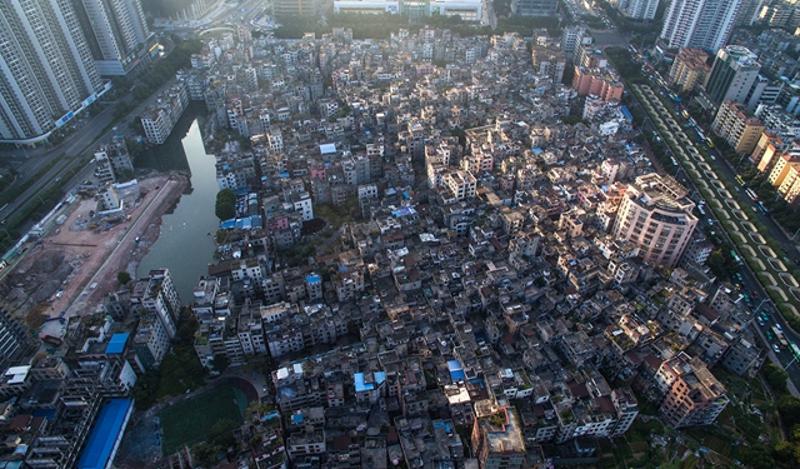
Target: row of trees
x,y
381,26
160,72
180,370
225,207
785,453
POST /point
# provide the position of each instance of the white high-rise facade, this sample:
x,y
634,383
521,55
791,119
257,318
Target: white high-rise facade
x,y
47,73
116,31
637,9
701,24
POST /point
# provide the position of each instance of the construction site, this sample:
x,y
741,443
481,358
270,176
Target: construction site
x,y
75,262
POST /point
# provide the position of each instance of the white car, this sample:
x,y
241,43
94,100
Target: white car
x,y
776,348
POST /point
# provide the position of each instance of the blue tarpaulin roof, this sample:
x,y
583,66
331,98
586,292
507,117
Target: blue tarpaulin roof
x,y
313,278
117,343
626,113
245,223
403,212
107,429
456,370
359,381
271,415
444,425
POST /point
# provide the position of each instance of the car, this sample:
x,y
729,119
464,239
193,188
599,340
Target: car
x,y
770,336
778,326
775,348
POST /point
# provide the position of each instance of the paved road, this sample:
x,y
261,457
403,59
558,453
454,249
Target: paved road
x,y
769,323
76,147
79,304
727,172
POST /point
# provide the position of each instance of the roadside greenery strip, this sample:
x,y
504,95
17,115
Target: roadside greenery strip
x,y
785,301
39,204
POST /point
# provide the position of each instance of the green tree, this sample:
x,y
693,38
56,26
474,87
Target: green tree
x,y
221,363
206,454
776,377
225,207
789,410
716,262
757,456
123,277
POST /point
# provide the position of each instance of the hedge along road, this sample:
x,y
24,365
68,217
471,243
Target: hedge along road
x,y
769,270
782,285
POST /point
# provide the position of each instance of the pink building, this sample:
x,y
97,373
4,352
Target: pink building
x,y
597,82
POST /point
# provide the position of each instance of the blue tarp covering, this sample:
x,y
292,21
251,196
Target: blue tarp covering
x,y
107,429
245,223
313,278
404,212
445,425
537,151
456,370
117,343
626,113
271,415
359,381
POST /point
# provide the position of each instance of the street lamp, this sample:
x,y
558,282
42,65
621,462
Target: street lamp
x,y
791,362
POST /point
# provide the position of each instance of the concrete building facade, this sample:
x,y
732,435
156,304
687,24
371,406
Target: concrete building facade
x,y
656,215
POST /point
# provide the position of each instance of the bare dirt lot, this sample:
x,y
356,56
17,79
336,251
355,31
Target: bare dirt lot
x,y
71,269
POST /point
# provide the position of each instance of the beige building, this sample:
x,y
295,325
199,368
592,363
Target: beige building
x,y
766,151
656,215
462,184
785,176
693,395
738,129
689,69
781,169
790,187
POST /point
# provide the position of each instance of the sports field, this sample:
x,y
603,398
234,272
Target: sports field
x,y
201,417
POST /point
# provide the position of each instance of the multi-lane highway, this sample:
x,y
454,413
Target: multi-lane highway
x,y
73,152
764,275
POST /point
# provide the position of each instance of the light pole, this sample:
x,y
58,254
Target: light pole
x,y
791,362
755,311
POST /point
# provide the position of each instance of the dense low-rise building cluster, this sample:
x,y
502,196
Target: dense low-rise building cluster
x,y
447,255
494,271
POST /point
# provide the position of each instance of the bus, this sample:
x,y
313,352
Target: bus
x,y
795,350
735,257
699,133
751,194
780,336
